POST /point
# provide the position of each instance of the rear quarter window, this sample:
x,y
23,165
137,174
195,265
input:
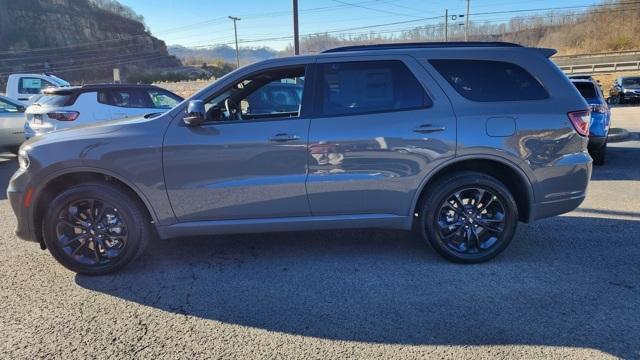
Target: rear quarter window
x,y
487,81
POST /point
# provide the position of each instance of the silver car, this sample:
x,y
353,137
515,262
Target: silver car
x,y
457,142
12,120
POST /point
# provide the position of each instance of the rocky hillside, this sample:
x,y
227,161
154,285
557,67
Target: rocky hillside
x,y
79,40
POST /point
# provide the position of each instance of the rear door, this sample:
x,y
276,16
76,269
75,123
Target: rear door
x,y
380,125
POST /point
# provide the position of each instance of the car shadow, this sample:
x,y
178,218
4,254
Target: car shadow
x,y
564,281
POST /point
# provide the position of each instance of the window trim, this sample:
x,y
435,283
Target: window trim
x,y
317,109
455,91
306,103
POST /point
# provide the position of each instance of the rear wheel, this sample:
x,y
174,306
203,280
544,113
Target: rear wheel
x,y
95,228
469,217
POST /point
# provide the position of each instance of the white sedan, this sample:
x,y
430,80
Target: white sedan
x,y
12,120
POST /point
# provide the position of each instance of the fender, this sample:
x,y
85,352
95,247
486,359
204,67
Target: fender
x,y
100,171
443,166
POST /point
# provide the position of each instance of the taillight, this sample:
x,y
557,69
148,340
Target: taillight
x,y
63,115
581,121
599,108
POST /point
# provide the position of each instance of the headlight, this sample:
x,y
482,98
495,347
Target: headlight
x,y
23,159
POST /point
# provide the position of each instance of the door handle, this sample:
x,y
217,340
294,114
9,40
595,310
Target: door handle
x,y
428,128
284,137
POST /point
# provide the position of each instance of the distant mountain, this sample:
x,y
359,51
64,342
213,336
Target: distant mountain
x,y
221,53
78,40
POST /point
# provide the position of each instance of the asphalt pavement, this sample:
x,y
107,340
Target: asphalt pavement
x,y
567,287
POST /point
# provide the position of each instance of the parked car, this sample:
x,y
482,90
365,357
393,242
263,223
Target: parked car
x,y
11,124
625,89
600,119
60,108
490,134
25,88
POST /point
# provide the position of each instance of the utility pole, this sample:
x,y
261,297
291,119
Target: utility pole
x,y
466,23
446,24
296,35
235,31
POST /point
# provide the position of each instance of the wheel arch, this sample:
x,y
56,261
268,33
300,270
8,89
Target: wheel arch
x,y
502,169
74,176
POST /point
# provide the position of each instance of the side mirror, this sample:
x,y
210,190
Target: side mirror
x,y
21,108
195,114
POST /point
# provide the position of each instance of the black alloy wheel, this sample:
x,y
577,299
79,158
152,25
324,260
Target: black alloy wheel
x,y
91,231
95,228
469,218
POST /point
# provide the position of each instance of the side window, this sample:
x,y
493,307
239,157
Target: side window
x,y
163,99
481,80
28,85
7,107
349,88
275,94
129,98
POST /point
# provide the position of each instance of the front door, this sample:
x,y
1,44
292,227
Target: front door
x,y
249,159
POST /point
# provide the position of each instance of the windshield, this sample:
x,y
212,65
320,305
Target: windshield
x,y
59,81
632,83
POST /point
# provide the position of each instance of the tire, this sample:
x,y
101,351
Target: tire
x,y
599,155
496,200
121,229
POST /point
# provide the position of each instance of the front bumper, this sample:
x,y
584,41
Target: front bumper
x,y
631,95
18,187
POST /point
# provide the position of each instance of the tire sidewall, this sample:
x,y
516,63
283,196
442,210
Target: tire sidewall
x,y
442,190
127,209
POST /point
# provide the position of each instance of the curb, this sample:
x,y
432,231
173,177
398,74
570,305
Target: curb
x,y
620,135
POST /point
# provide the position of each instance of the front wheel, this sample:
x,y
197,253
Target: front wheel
x,y
469,217
95,228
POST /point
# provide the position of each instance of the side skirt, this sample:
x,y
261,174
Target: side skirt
x,y
301,223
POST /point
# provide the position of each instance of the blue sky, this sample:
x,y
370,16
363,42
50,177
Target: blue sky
x,y
200,23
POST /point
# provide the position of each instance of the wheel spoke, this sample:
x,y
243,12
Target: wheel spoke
x,y
68,223
478,198
82,244
74,239
453,233
96,250
490,227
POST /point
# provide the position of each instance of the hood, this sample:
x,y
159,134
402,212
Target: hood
x,y
86,131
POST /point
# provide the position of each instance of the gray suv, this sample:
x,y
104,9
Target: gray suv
x,y
457,141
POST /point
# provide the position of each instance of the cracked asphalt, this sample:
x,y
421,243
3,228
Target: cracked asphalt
x,y
567,287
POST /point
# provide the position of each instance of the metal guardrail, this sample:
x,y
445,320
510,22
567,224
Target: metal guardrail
x,y
601,67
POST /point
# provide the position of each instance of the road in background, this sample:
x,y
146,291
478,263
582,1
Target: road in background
x,y
567,287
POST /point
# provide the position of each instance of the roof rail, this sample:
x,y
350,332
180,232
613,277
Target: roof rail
x,y
422,45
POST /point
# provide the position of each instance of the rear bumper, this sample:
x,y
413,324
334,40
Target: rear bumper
x,y
562,186
552,208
